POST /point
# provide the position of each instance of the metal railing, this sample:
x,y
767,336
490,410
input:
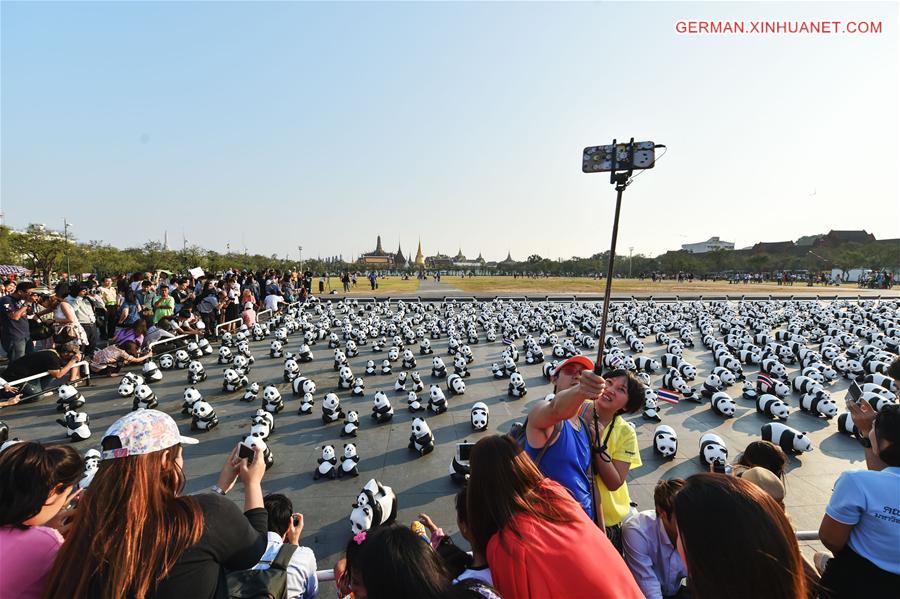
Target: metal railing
x,y
170,340
226,323
83,366
807,535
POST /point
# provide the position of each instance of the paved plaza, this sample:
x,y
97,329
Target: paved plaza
x,y
422,484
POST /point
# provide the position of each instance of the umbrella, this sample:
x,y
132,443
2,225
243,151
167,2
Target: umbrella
x,y
8,269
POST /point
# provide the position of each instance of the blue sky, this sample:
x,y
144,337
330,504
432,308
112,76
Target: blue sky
x,y
273,125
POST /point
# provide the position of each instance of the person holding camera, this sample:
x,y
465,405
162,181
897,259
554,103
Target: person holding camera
x,y
285,526
138,536
15,332
36,491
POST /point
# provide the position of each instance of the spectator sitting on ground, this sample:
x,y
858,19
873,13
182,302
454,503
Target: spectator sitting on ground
x,y
555,436
649,539
538,541
860,526
736,541
286,526
138,536
111,358
617,444
36,482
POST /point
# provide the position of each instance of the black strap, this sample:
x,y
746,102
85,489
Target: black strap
x,y
557,428
283,558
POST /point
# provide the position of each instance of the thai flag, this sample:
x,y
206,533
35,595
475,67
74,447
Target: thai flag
x,y
615,362
507,341
762,379
668,396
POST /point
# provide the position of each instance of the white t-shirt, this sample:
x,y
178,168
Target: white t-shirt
x,y
301,571
482,574
272,302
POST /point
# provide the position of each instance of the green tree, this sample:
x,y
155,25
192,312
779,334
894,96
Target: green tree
x,y
40,249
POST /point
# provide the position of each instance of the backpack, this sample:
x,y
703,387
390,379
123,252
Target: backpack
x,y
263,584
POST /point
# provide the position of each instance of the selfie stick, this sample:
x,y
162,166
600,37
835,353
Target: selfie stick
x,y
621,180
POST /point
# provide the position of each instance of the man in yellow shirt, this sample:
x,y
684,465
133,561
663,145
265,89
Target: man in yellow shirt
x,y
111,302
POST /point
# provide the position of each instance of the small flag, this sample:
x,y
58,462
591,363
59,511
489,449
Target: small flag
x,y
762,379
615,362
667,396
507,341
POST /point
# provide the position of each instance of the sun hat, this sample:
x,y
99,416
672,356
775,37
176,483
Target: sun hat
x,y
141,432
767,481
579,359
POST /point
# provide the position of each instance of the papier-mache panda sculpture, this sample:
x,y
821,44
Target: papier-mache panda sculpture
x,y
712,449
276,349
375,505
359,387
252,392
191,396
91,464
302,385
665,441
331,408
516,387
400,384
382,410
460,366
272,401
790,440
479,416
233,380
351,424
651,406
291,370
409,359
68,398
203,416
252,442
413,402
76,425
722,404
225,355
421,439
182,359
262,424
327,467
417,385
345,377
304,354
438,368
167,362
437,401
819,403
350,461
456,385
151,371
370,367
846,425
772,407
196,372
144,398
425,347
307,403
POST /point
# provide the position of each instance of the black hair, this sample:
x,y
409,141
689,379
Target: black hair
x,y
893,370
280,510
74,289
395,563
462,510
61,289
887,428
664,494
25,286
765,454
456,561
635,389
29,471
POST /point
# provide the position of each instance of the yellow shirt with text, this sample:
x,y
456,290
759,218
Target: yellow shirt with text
x,y
622,446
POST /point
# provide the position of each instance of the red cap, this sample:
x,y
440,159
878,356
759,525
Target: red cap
x,y
579,359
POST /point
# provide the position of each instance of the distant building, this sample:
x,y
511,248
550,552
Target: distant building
x,y
713,243
508,263
834,238
439,261
775,247
808,240
420,257
379,257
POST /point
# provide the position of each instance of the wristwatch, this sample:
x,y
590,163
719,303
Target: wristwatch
x,y
864,441
218,489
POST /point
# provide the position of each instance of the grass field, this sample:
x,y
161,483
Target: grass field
x,y
387,286
574,285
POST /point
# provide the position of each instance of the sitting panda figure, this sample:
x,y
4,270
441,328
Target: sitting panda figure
x,y
91,464
196,373
460,366
327,463
252,392
255,442
417,385
233,381
421,439
712,449
203,416
772,406
413,403
665,441
205,346
126,386
227,339
497,371
276,349
302,385
144,398
393,353
271,399
350,462
191,396
333,341
711,386
479,416
425,347
262,424
456,385
516,386
547,369
359,387
351,424
651,406
241,364
225,355
509,366
400,384
257,333
291,370
722,404
409,359
166,362
244,350
819,403
382,410
370,367
331,409
76,425
438,368
345,377
376,505
749,391
386,367
151,371
340,359
304,354
790,440
68,398
182,359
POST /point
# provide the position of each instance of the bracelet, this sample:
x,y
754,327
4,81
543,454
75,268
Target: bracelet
x,y
218,489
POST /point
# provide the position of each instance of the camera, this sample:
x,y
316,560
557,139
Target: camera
x,y
720,467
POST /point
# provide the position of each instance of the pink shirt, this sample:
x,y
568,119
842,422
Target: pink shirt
x,y
249,317
26,557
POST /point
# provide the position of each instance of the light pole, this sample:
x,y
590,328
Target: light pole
x,y
66,225
630,252
300,250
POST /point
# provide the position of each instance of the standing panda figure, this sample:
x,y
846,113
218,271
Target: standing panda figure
x,y
712,449
413,403
819,403
359,388
68,398
191,396
203,417
479,416
722,404
271,400
91,464
327,463
252,392
350,463
438,368
400,385
351,424
196,373
665,441
516,386
151,371
331,409
421,439
772,407
651,406
233,381
437,401
302,385
409,360
144,398
382,410
370,367
846,426
726,377
455,384
76,425
417,385
790,440
167,362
